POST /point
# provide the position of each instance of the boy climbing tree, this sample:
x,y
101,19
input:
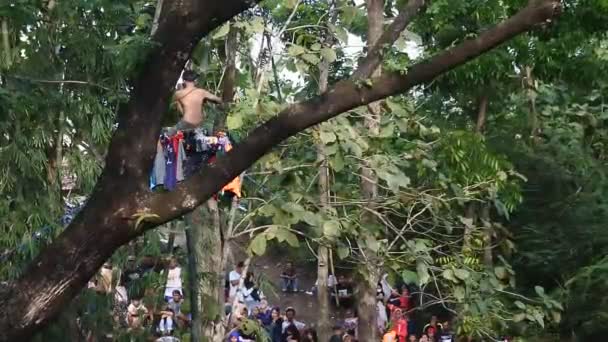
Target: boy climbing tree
x,y
190,100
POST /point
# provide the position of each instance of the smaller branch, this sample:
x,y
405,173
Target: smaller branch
x,y
392,33
60,82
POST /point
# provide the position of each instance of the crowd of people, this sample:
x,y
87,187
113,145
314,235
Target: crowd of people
x,y
246,305
395,310
129,312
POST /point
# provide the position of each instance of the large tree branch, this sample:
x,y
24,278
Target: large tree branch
x,y
344,96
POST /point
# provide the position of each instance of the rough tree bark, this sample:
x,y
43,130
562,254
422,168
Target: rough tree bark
x,y
323,250
371,264
121,207
484,209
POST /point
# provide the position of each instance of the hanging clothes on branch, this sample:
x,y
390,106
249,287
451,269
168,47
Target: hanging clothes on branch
x,y
180,154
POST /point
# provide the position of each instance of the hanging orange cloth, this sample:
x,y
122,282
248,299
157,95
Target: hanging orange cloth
x,y
235,185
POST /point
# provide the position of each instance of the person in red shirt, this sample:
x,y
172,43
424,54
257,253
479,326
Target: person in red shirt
x,y
404,299
400,325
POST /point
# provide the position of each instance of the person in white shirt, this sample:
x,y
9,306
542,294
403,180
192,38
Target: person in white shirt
x,y
174,279
290,319
381,317
235,278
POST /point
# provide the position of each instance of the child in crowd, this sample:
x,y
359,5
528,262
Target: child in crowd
x,y
166,320
174,279
136,311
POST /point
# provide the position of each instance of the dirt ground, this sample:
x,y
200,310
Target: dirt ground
x,y
304,304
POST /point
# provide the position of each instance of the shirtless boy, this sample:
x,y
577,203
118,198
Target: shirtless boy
x,y
190,101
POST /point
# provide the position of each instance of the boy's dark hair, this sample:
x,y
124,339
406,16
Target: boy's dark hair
x,y
240,264
190,76
177,292
290,309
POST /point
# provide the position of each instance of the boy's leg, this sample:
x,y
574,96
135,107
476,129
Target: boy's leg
x,y
285,282
295,284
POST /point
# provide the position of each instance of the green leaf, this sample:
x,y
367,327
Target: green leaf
x,y
409,277
387,131
292,239
539,290
343,252
331,228
295,50
501,273
538,316
423,272
311,218
258,244
461,274
519,317
222,31
337,162
234,121
310,58
520,305
293,207
372,243
329,55
459,293
327,137
339,32
449,275
257,25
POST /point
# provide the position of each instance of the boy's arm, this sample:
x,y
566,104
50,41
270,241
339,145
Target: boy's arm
x,y
212,98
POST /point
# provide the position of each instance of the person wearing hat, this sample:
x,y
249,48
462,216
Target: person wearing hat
x,y
190,100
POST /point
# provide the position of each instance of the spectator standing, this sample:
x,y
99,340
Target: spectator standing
x,y
265,313
290,319
445,335
381,317
433,327
310,335
289,276
351,323
121,304
275,328
234,277
174,279
132,272
345,292
104,281
291,334
399,325
337,335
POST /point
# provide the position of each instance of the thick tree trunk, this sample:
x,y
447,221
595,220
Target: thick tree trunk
x,y
194,230
480,125
488,258
121,207
530,86
210,274
370,270
6,44
484,209
323,324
